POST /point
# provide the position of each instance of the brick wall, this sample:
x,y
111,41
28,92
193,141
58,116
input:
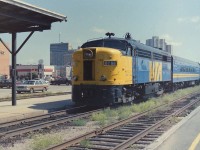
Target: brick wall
x,y
4,61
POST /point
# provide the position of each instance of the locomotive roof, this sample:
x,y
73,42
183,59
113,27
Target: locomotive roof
x,y
185,60
136,45
142,46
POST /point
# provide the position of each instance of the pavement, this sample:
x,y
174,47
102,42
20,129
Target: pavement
x,y
183,136
33,107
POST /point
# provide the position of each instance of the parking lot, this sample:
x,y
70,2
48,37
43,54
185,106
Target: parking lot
x,y
5,92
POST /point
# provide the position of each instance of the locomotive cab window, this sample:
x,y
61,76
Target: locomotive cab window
x,y
129,50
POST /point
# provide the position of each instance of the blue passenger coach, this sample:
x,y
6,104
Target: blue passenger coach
x,y
185,72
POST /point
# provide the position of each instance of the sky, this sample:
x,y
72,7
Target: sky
x,y
178,21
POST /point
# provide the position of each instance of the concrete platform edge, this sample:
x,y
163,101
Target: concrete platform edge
x,y
171,131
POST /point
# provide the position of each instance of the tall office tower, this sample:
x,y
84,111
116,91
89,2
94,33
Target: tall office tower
x,y
162,44
68,57
149,42
58,52
169,48
156,41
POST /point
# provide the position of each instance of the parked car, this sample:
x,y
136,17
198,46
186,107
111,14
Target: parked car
x,y
32,86
43,81
5,83
61,81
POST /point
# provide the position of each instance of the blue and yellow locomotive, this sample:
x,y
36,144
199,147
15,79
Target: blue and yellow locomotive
x,y
118,70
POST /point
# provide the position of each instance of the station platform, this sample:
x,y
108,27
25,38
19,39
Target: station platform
x,y
183,136
33,107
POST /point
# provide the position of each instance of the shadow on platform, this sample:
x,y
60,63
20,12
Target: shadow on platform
x,y
53,106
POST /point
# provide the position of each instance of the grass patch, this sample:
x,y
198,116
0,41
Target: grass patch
x,y
108,116
100,117
124,112
45,141
79,122
85,143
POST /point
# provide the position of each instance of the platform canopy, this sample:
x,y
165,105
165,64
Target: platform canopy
x,y
17,16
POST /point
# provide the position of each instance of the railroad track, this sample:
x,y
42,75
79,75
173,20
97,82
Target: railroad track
x,y
136,132
23,126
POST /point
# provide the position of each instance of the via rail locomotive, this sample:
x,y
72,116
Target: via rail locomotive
x,y
118,70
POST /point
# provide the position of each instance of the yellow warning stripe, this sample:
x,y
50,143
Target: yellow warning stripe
x,y
195,143
185,75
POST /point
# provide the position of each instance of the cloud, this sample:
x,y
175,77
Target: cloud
x,y
193,19
98,30
181,20
170,40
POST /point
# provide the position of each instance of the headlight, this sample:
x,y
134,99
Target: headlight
x,y
75,78
103,78
88,54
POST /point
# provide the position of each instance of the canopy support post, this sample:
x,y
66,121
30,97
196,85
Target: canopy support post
x,y
13,71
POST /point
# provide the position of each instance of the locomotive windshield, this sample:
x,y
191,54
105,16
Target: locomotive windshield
x,y
116,44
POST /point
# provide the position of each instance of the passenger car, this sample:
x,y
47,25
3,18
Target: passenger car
x,y
32,86
5,83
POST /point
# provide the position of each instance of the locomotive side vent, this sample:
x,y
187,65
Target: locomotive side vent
x,y
87,67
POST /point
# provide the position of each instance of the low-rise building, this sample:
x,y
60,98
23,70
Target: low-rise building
x,y
4,62
33,71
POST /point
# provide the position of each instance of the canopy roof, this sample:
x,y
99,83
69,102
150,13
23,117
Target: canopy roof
x,y
17,16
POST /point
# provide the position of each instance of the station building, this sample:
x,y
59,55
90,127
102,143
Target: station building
x,y
33,71
4,62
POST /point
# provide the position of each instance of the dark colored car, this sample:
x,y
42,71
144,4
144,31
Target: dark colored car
x,y
5,83
61,81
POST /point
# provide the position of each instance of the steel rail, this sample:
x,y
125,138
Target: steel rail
x,y
137,137
78,139
49,115
38,126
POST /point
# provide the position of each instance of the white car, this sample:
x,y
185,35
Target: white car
x,y
32,86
